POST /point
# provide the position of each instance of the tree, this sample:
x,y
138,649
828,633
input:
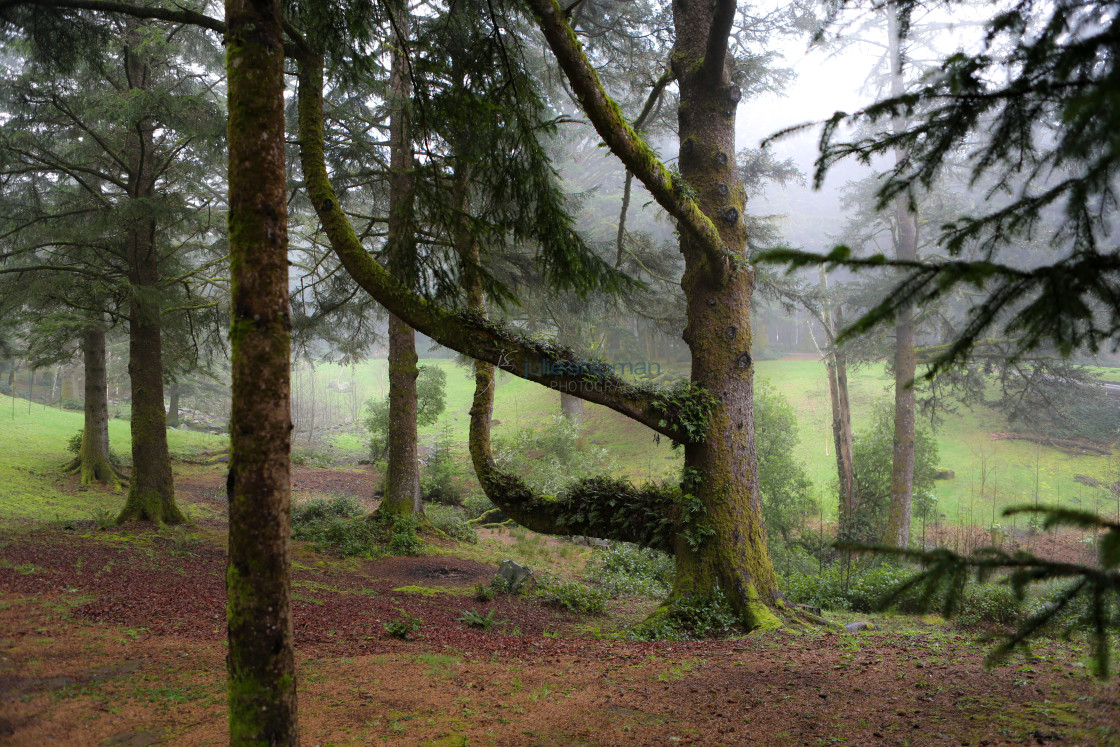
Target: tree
x,y
1032,112
712,415
122,163
260,662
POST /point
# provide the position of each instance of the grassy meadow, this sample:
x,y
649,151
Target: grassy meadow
x,y
33,443
1011,471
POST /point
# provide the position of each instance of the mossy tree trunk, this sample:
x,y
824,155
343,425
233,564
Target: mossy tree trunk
x,y
151,488
905,358
260,662
92,462
402,478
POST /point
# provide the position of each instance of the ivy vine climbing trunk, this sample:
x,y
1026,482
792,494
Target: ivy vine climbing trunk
x,y
402,478
905,358
260,662
92,462
151,487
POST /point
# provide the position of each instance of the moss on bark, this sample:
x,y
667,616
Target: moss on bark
x,y
260,661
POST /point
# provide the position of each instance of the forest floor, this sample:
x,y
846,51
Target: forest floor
x,y
117,636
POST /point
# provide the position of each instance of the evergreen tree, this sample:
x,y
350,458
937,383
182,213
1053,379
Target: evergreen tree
x,y
109,157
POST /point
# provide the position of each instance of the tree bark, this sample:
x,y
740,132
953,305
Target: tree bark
x,y
151,488
402,476
897,532
836,364
93,462
260,662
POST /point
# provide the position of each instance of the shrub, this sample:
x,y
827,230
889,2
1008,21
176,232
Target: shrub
x,y
404,627
334,525
859,587
450,521
475,620
873,456
573,596
476,504
430,403
989,603
689,618
626,569
437,478
548,458
74,446
403,538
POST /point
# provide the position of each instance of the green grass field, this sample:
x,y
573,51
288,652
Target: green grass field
x,y
964,439
33,444
33,450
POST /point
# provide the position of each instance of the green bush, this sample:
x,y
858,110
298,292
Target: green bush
x,y
873,457
476,504
74,446
864,588
430,403
859,587
405,627
626,569
403,537
573,596
689,618
989,603
450,521
437,477
335,525
551,457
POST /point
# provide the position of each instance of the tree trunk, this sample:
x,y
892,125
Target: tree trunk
x,y
151,488
93,457
836,364
402,477
905,360
260,662
173,406
723,469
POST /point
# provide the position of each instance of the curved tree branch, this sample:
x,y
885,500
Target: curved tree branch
x,y
621,138
543,363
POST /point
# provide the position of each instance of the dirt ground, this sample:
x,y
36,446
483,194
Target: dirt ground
x,y
117,637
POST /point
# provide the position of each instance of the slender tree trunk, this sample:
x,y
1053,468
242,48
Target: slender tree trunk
x,y
151,488
905,360
402,477
173,406
723,470
260,662
837,366
93,458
